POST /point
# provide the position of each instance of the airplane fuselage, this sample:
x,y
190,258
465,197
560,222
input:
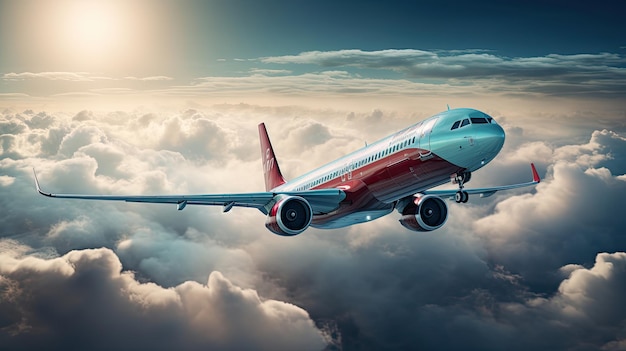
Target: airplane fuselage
x,y
405,163
396,172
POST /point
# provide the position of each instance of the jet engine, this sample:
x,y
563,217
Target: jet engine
x,y
290,215
425,213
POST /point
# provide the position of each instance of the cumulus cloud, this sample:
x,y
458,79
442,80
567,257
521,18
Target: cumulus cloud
x,y
84,299
529,269
82,116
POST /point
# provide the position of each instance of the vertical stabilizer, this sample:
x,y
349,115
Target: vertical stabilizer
x,y
273,177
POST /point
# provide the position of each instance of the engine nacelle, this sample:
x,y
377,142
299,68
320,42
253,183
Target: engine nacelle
x,y
424,214
290,215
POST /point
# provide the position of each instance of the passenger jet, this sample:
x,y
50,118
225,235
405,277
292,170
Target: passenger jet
x,y
394,173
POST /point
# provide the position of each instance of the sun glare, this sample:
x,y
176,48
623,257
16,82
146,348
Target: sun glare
x,y
98,36
108,38
93,29
94,26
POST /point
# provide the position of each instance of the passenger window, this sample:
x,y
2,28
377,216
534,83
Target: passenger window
x,y
455,125
464,123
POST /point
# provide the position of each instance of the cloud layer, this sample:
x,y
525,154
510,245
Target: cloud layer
x,y
598,74
531,269
55,303
392,72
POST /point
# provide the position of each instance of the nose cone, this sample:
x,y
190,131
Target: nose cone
x,y
467,138
491,140
488,141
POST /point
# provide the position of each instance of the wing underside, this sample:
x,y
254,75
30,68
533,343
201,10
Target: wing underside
x,y
486,192
321,201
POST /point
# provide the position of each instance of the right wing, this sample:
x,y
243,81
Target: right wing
x,y
321,201
486,192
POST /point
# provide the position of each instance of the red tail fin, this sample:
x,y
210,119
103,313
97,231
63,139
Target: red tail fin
x,y
273,177
536,178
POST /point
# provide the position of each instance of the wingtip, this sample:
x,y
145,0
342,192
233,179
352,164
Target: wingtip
x,y
38,187
536,177
36,180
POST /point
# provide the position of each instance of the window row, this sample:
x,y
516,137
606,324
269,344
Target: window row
x,y
360,163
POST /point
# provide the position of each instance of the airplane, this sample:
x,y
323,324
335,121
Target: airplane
x,y
394,173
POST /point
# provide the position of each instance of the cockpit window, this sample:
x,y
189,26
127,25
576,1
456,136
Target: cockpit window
x,y
465,122
479,120
455,125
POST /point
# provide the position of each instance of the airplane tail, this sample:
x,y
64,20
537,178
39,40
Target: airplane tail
x,y
273,177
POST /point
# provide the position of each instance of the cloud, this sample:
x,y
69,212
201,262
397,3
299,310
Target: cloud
x,y
82,116
85,299
528,269
454,76
67,76
6,180
150,78
9,96
327,83
74,77
601,73
82,136
454,64
355,57
269,72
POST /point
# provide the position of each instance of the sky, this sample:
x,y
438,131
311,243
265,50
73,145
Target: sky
x,y
162,97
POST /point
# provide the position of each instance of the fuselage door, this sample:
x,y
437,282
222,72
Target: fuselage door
x,y
346,173
424,133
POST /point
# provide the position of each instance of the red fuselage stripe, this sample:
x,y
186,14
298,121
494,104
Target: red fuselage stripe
x,y
377,185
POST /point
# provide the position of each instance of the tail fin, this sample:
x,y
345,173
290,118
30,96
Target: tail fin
x,y
273,177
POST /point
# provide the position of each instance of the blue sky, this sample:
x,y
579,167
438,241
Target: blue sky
x,y
513,29
148,97
116,51
185,40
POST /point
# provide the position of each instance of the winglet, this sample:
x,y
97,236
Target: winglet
x,y
536,178
273,177
38,187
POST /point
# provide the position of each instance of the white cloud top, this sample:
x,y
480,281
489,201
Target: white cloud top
x,y
527,269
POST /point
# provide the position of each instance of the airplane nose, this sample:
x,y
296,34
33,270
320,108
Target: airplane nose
x,y
492,140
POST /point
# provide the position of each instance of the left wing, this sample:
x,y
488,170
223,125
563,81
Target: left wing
x,y
321,201
486,192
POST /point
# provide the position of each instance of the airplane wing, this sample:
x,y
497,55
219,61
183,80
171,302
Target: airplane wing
x,y
486,192
321,201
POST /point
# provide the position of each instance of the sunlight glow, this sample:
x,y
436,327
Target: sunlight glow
x,y
95,31
114,37
94,27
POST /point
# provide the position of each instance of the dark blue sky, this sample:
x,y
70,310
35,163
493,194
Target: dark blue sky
x,y
278,27
185,39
